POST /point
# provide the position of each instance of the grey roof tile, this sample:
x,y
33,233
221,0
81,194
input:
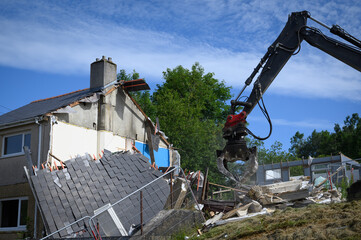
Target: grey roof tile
x,y
102,182
41,107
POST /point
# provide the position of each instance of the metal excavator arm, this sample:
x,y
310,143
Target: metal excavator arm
x,y
277,55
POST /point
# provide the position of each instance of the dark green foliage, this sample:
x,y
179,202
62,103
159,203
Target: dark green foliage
x,y
122,75
274,154
296,171
191,107
346,139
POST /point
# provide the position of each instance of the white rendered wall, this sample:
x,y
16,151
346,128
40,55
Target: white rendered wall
x,y
69,141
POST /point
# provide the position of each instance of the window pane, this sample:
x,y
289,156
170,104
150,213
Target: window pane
x,y
273,174
27,139
13,144
23,212
9,213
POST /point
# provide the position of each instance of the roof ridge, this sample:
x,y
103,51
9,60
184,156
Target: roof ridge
x,y
45,99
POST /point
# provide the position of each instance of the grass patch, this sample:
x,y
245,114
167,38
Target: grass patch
x,y
334,221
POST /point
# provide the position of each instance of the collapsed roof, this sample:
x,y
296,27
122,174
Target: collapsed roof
x,y
86,185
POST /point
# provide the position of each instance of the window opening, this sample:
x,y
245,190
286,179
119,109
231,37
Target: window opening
x,y
13,213
15,143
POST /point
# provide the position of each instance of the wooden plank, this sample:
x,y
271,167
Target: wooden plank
x,y
338,169
295,195
219,205
205,184
222,191
149,142
243,208
234,189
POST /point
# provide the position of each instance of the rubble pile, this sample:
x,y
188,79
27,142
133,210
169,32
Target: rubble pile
x,y
321,196
265,200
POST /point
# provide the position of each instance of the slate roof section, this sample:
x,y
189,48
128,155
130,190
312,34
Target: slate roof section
x,y
41,107
86,185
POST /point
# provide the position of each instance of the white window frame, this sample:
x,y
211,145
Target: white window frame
x,y
22,144
18,227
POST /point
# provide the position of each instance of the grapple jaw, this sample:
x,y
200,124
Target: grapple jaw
x,y
236,150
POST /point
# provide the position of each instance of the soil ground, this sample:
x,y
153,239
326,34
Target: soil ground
x,y
334,221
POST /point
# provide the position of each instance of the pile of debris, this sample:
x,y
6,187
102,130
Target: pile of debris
x,y
265,200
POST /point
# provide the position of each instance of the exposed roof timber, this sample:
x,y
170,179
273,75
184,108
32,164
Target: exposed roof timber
x,y
135,85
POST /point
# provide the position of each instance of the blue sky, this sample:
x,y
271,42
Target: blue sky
x,y
46,48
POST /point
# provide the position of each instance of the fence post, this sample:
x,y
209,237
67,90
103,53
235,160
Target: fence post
x,y
141,212
171,190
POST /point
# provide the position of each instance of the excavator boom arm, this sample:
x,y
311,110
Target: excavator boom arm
x,y
277,55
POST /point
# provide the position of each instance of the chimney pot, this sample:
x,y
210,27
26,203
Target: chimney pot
x,y
97,59
102,72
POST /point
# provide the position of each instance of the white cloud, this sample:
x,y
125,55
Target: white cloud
x,y
309,124
65,39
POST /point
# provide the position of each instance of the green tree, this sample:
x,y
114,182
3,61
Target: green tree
x,y
345,139
274,154
191,107
122,75
348,138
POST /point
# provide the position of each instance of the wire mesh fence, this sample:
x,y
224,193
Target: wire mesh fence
x,y
155,209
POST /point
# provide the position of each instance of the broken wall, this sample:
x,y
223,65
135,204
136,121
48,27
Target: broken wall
x,y
111,122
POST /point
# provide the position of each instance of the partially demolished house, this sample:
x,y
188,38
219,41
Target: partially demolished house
x,y
89,121
313,168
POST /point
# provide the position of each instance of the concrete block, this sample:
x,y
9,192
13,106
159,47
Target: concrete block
x,y
282,187
294,195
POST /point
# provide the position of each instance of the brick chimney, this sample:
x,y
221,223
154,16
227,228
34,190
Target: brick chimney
x,y
102,72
